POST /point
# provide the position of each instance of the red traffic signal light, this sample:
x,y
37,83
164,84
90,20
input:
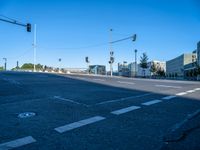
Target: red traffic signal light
x,y
28,27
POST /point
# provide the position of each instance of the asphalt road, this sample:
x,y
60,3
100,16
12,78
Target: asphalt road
x,y
95,112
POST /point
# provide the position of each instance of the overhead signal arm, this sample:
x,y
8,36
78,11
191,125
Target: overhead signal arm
x,y
28,25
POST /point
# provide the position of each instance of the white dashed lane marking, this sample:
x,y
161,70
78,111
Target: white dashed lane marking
x,y
125,110
17,143
197,89
151,102
168,97
78,124
190,91
182,93
168,86
123,82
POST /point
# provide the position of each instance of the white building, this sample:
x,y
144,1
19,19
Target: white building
x,y
159,65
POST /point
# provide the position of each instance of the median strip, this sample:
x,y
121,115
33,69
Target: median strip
x,y
78,124
17,143
125,110
151,102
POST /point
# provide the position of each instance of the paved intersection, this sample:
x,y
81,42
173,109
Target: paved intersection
x,y
91,112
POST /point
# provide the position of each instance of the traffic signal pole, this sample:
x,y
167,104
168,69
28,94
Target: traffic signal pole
x,y
28,25
111,53
34,47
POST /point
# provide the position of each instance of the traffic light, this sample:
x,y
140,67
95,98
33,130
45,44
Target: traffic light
x,y
28,27
86,59
112,59
134,37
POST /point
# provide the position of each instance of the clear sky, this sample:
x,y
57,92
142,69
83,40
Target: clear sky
x,y
73,29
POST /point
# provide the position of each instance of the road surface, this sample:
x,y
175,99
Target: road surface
x,y
94,112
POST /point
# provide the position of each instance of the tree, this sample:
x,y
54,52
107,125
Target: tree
x,y
1,68
143,62
161,72
27,66
153,68
30,66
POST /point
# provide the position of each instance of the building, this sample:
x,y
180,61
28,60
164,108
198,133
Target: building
x,y
97,69
175,67
159,65
123,69
132,70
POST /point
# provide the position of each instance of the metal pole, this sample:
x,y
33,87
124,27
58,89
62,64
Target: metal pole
x,y
34,46
111,69
5,64
135,62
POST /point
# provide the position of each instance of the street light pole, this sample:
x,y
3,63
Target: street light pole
x,y
111,53
135,62
34,46
5,64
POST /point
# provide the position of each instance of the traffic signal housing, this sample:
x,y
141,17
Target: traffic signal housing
x,y
28,27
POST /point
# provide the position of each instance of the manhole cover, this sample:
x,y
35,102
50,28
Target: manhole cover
x,y
26,114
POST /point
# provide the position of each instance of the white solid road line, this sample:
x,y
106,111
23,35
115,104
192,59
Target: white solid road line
x,y
78,124
123,82
182,93
151,102
69,100
17,143
125,110
168,86
123,99
168,97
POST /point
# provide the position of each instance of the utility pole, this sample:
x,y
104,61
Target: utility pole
x,y
34,46
17,67
59,68
135,62
87,61
5,64
111,54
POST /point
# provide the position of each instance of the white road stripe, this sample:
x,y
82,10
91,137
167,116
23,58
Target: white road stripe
x,y
151,102
78,124
197,89
169,86
123,82
182,93
69,100
123,99
17,143
125,110
190,91
98,79
168,97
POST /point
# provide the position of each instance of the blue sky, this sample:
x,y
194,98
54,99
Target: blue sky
x,y
70,29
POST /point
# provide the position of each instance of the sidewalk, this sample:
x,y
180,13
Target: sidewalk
x,y
185,135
